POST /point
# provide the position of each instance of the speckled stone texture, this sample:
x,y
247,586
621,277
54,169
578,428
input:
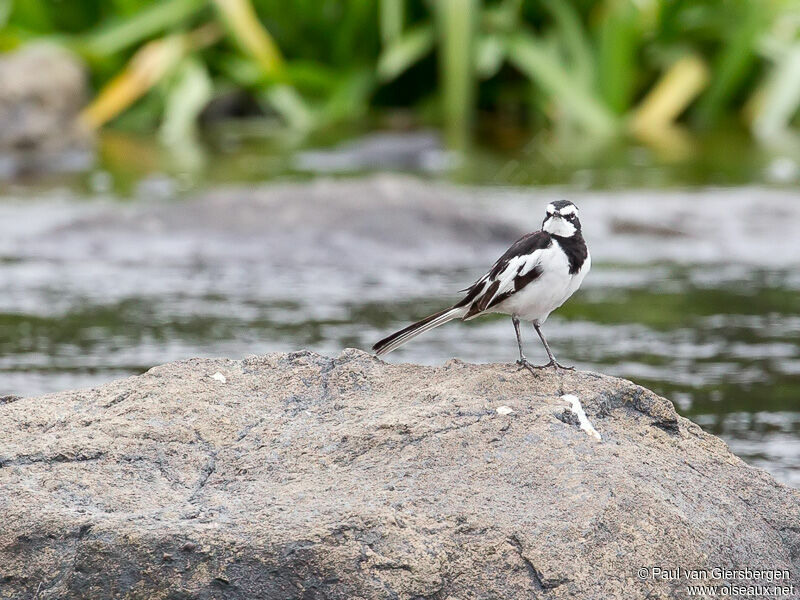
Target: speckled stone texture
x,y
306,477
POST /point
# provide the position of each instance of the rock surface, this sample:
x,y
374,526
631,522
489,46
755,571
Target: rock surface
x,y
298,476
42,90
347,225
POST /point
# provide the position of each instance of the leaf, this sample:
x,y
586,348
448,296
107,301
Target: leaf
x,y
313,77
151,63
531,57
243,71
574,39
456,24
391,15
780,98
350,98
733,63
676,89
5,12
619,39
285,100
405,51
188,94
154,19
502,17
489,55
33,15
146,68
245,28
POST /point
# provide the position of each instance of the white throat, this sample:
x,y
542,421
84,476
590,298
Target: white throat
x,y
560,227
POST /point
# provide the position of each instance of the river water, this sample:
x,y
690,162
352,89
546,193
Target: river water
x,y
693,293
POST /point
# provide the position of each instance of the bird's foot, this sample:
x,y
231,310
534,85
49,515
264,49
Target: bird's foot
x,y
524,364
556,365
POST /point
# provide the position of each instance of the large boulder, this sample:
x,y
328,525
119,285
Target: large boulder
x,y
42,90
299,476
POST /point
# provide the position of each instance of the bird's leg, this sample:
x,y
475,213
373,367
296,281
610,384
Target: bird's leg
x,y
522,362
553,362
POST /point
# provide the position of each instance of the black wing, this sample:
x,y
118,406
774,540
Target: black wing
x,y
486,292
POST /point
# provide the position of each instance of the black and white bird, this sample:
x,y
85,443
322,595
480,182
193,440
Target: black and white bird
x,y
535,276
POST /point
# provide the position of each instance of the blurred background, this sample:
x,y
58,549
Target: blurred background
x,y
228,177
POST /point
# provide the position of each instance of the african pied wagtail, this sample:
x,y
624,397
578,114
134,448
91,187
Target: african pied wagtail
x,y
535,276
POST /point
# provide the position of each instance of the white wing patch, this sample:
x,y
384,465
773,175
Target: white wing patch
x,y
516,267
519,265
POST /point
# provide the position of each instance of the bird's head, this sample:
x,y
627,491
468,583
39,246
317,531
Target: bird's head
x,y
562,219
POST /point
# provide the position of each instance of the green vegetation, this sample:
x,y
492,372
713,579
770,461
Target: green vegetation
x,y
654,69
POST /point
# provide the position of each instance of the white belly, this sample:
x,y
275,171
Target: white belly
x,y
550,290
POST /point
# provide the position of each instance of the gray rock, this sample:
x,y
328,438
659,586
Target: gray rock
x,y
299,476
410,150
42,90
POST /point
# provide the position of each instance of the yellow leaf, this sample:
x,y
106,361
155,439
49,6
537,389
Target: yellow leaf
x,y
151,63
142,72
676,89
247,30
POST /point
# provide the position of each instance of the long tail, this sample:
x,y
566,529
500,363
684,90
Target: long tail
x,y
399,338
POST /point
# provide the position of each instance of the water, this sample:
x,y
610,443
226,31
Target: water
x,y
694,291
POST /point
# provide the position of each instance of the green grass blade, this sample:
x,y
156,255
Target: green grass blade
x,y
392,16
618,41
154,19
5,12
247,31
253,38
32,15
285,100
405,51
781,97
503,17
456,24
574,39
240,70
733,63
188,92
489,55
350,99
531,57
313,78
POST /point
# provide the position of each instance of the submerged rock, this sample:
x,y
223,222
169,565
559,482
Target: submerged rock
x,y
299,476
417,150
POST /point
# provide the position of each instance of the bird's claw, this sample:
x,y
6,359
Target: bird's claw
x,y
557,366
524,364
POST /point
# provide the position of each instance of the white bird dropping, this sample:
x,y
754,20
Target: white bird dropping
x,y
583,420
